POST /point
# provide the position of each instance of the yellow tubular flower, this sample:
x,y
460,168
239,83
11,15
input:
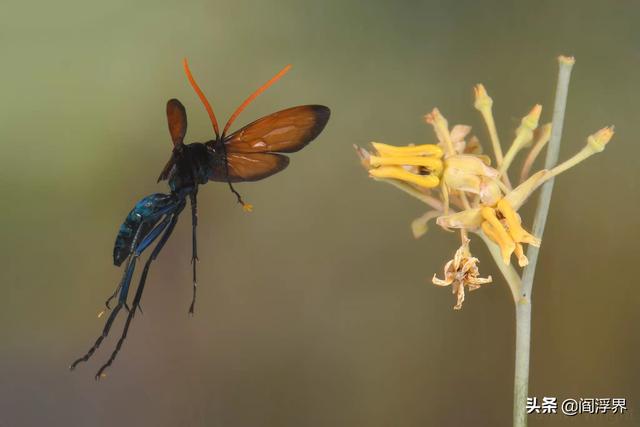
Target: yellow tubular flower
x,y
502,225
518,234
432,164
399,173
414,165
410,150
506,245
496,232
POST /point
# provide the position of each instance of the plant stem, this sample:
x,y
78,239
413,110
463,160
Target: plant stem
x,y
521,378
523,305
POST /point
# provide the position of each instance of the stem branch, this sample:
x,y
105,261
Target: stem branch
x,y
523,305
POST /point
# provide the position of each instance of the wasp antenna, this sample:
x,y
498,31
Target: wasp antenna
x,y
202,97
253,96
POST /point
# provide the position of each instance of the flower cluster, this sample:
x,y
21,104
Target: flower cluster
x,y
470,191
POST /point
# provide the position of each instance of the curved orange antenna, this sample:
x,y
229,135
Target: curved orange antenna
x,y
253,96
203,98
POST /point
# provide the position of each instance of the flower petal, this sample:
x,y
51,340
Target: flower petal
x,y
490,192
419,225
397,172
364,156
460,299
469,219
459,179
440,282
459,132
474,147
408,150
496,232
479,281
434,165
471,164
518,234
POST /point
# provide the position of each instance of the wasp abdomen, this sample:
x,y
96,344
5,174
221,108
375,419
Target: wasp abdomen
x,y
145,214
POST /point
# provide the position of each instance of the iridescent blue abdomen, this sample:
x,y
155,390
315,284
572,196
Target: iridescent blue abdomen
x,y
145,214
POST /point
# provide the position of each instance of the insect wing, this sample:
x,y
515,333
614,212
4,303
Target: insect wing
x,y
285,131
177,119
249,167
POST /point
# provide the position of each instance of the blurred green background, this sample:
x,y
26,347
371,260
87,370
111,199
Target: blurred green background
x,y
316,309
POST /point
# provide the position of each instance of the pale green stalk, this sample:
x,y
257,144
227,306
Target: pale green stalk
x,y
523,304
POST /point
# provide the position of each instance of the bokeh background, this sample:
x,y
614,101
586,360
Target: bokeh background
x,y
316,309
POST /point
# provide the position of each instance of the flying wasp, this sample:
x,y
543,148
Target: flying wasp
x,y
251,153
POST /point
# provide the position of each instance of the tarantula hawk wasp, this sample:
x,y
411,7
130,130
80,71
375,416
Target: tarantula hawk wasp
x,y
249,154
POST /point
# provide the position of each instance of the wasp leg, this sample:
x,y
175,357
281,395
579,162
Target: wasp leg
x,y
113,295
124,287
170,225
226,171
235,192
194,257
128,272
104,334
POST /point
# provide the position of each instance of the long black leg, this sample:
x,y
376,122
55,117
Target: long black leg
x,y
104,334
194,257
113,295
109,322
139,290
137,249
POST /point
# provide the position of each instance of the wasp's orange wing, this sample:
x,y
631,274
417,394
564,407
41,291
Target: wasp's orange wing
x,y
177,120
251,151
285,131
249,167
